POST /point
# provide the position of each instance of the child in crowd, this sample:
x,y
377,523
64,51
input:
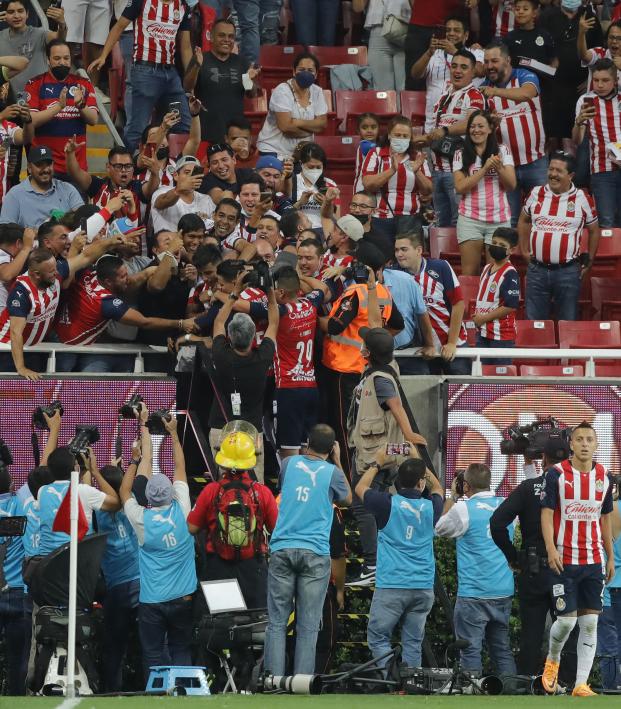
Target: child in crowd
x,y
528,40
368,130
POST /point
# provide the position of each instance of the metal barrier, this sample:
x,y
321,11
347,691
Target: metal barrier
x,y
40,14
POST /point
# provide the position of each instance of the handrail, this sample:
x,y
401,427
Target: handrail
x,y
103,112
40,14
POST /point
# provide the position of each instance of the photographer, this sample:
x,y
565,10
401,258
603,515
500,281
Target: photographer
x,y
405,559
377,417
166,554
484,579
534,579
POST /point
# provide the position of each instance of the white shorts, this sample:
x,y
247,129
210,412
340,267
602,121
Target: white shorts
x,y
87,20
469,229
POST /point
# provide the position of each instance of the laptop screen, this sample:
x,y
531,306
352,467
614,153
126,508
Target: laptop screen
x,y
223,596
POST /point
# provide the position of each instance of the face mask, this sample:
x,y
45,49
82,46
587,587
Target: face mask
x,y
498,253
571,5
312,175
304,78
399,145
362,218
60,73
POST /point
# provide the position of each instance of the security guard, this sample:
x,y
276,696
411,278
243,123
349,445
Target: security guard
x,y
531,561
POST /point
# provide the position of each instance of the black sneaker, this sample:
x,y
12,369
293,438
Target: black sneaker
x,y
365,578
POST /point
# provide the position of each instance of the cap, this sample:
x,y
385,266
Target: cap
x,y
159,490
186,160
379,342
556,447
269,161
40,154
349,225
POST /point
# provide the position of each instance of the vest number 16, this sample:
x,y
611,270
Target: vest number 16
x,y
302,493
170,540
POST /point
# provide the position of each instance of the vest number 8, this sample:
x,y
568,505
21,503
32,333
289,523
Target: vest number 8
x,y
170,540
409,531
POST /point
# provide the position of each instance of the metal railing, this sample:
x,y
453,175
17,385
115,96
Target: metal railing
x,y
40,14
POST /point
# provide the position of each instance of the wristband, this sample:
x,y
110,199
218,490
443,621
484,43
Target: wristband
x,y
233,296
134,461
187,337
180,324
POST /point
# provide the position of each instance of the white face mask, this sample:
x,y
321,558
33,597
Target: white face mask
x,y
399,145
312,175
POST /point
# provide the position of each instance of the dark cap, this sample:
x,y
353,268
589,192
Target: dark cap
x,y
556,447
40,154
379,342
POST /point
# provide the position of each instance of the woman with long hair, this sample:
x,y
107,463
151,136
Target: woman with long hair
x,y
309,185
484,173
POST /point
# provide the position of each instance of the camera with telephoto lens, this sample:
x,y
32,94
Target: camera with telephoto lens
x,y
85,436
530,440
356,272
385,478
155,422
260,277
38,419
131,408
459,483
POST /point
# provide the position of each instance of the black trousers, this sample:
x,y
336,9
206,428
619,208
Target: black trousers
x,y
251,574
339,390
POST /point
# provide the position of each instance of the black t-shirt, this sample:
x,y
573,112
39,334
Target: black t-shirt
x,y
245,375
219,87
210,181
535,44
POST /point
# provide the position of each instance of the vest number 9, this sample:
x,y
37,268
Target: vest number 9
x,y
170,540
302,493
409,531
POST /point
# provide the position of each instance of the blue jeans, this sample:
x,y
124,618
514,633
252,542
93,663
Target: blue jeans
x,y
259,22
120,608
528,176
545,287
315,21
445,200
153,85
607,648
126,44
606,188
15,625
300,575
165,633
503,344
391,606
478,619
460,366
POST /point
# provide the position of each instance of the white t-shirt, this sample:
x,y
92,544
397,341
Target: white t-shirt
x,y
283,100
4,291
168,219
135,512
312,209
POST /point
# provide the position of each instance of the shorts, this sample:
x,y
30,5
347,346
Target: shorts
x,y
297,411
578,587
88,21
475,230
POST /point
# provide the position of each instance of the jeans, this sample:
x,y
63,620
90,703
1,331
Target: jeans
x,y
459,367
315,21
165,632
15,625
126,44
300,575
152,85
544,287
388,608
259,22
95,363
386,61
478,619
606,188
120,608
528,176
486,342
445,200
607,648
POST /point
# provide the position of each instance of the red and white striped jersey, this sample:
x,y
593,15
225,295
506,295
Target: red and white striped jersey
x,y
598,53
521,127
39,308
488,201
495,290
441,290
557,221
7,130
294,360
577,528
330,260
156,25
194,296
603,128
399,195
454,106
503,17
256,295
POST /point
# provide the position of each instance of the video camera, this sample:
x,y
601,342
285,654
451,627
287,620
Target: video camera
x,y
131,408
260,277
155,422
356,272
85,436
530,440
38,419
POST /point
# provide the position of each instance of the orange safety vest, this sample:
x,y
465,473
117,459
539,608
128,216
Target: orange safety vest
x,y
342,352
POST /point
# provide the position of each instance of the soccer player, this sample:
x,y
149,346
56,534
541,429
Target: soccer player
x,y
577,528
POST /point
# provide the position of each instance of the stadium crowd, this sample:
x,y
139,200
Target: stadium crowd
x,y
207,231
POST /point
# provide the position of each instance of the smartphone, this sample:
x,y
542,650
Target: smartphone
x,y
55,3
174,107
149,150
397,449
83,224
588,101
439,32
265,196
198,170
21,99
323,190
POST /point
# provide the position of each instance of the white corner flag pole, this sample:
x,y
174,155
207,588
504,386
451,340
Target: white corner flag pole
x,y
73,583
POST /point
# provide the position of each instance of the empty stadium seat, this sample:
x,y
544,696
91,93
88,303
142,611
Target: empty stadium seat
x,y
606,298
341,152
333,56
607,261
333,120
469,289
499,370
471,332
413,106
276,63
535,333
255,110
608,370
351,104
443,244
551,370
593,334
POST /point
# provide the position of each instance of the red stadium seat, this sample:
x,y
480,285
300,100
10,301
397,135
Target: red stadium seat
x,y
333,56
552,370
176,143
347,192
471,332
606,298
341,152
276,63
413,106
469,288
594,334
535,334
608,370
499,370
351,104
332,128
255,110
443,244
608,258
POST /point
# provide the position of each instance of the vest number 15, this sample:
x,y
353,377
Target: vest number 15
x,y
302,493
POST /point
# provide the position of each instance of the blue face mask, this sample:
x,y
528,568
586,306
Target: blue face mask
x,y
304,78
571,5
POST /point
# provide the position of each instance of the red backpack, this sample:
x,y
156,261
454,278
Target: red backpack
x,y
239,520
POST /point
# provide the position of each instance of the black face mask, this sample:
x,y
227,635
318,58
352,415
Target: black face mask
x,y
498,253
60,73
362,218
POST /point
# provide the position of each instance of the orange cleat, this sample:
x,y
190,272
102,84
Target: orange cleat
x,y
550,676
583,690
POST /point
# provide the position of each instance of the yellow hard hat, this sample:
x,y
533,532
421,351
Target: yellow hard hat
x,y
237,452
